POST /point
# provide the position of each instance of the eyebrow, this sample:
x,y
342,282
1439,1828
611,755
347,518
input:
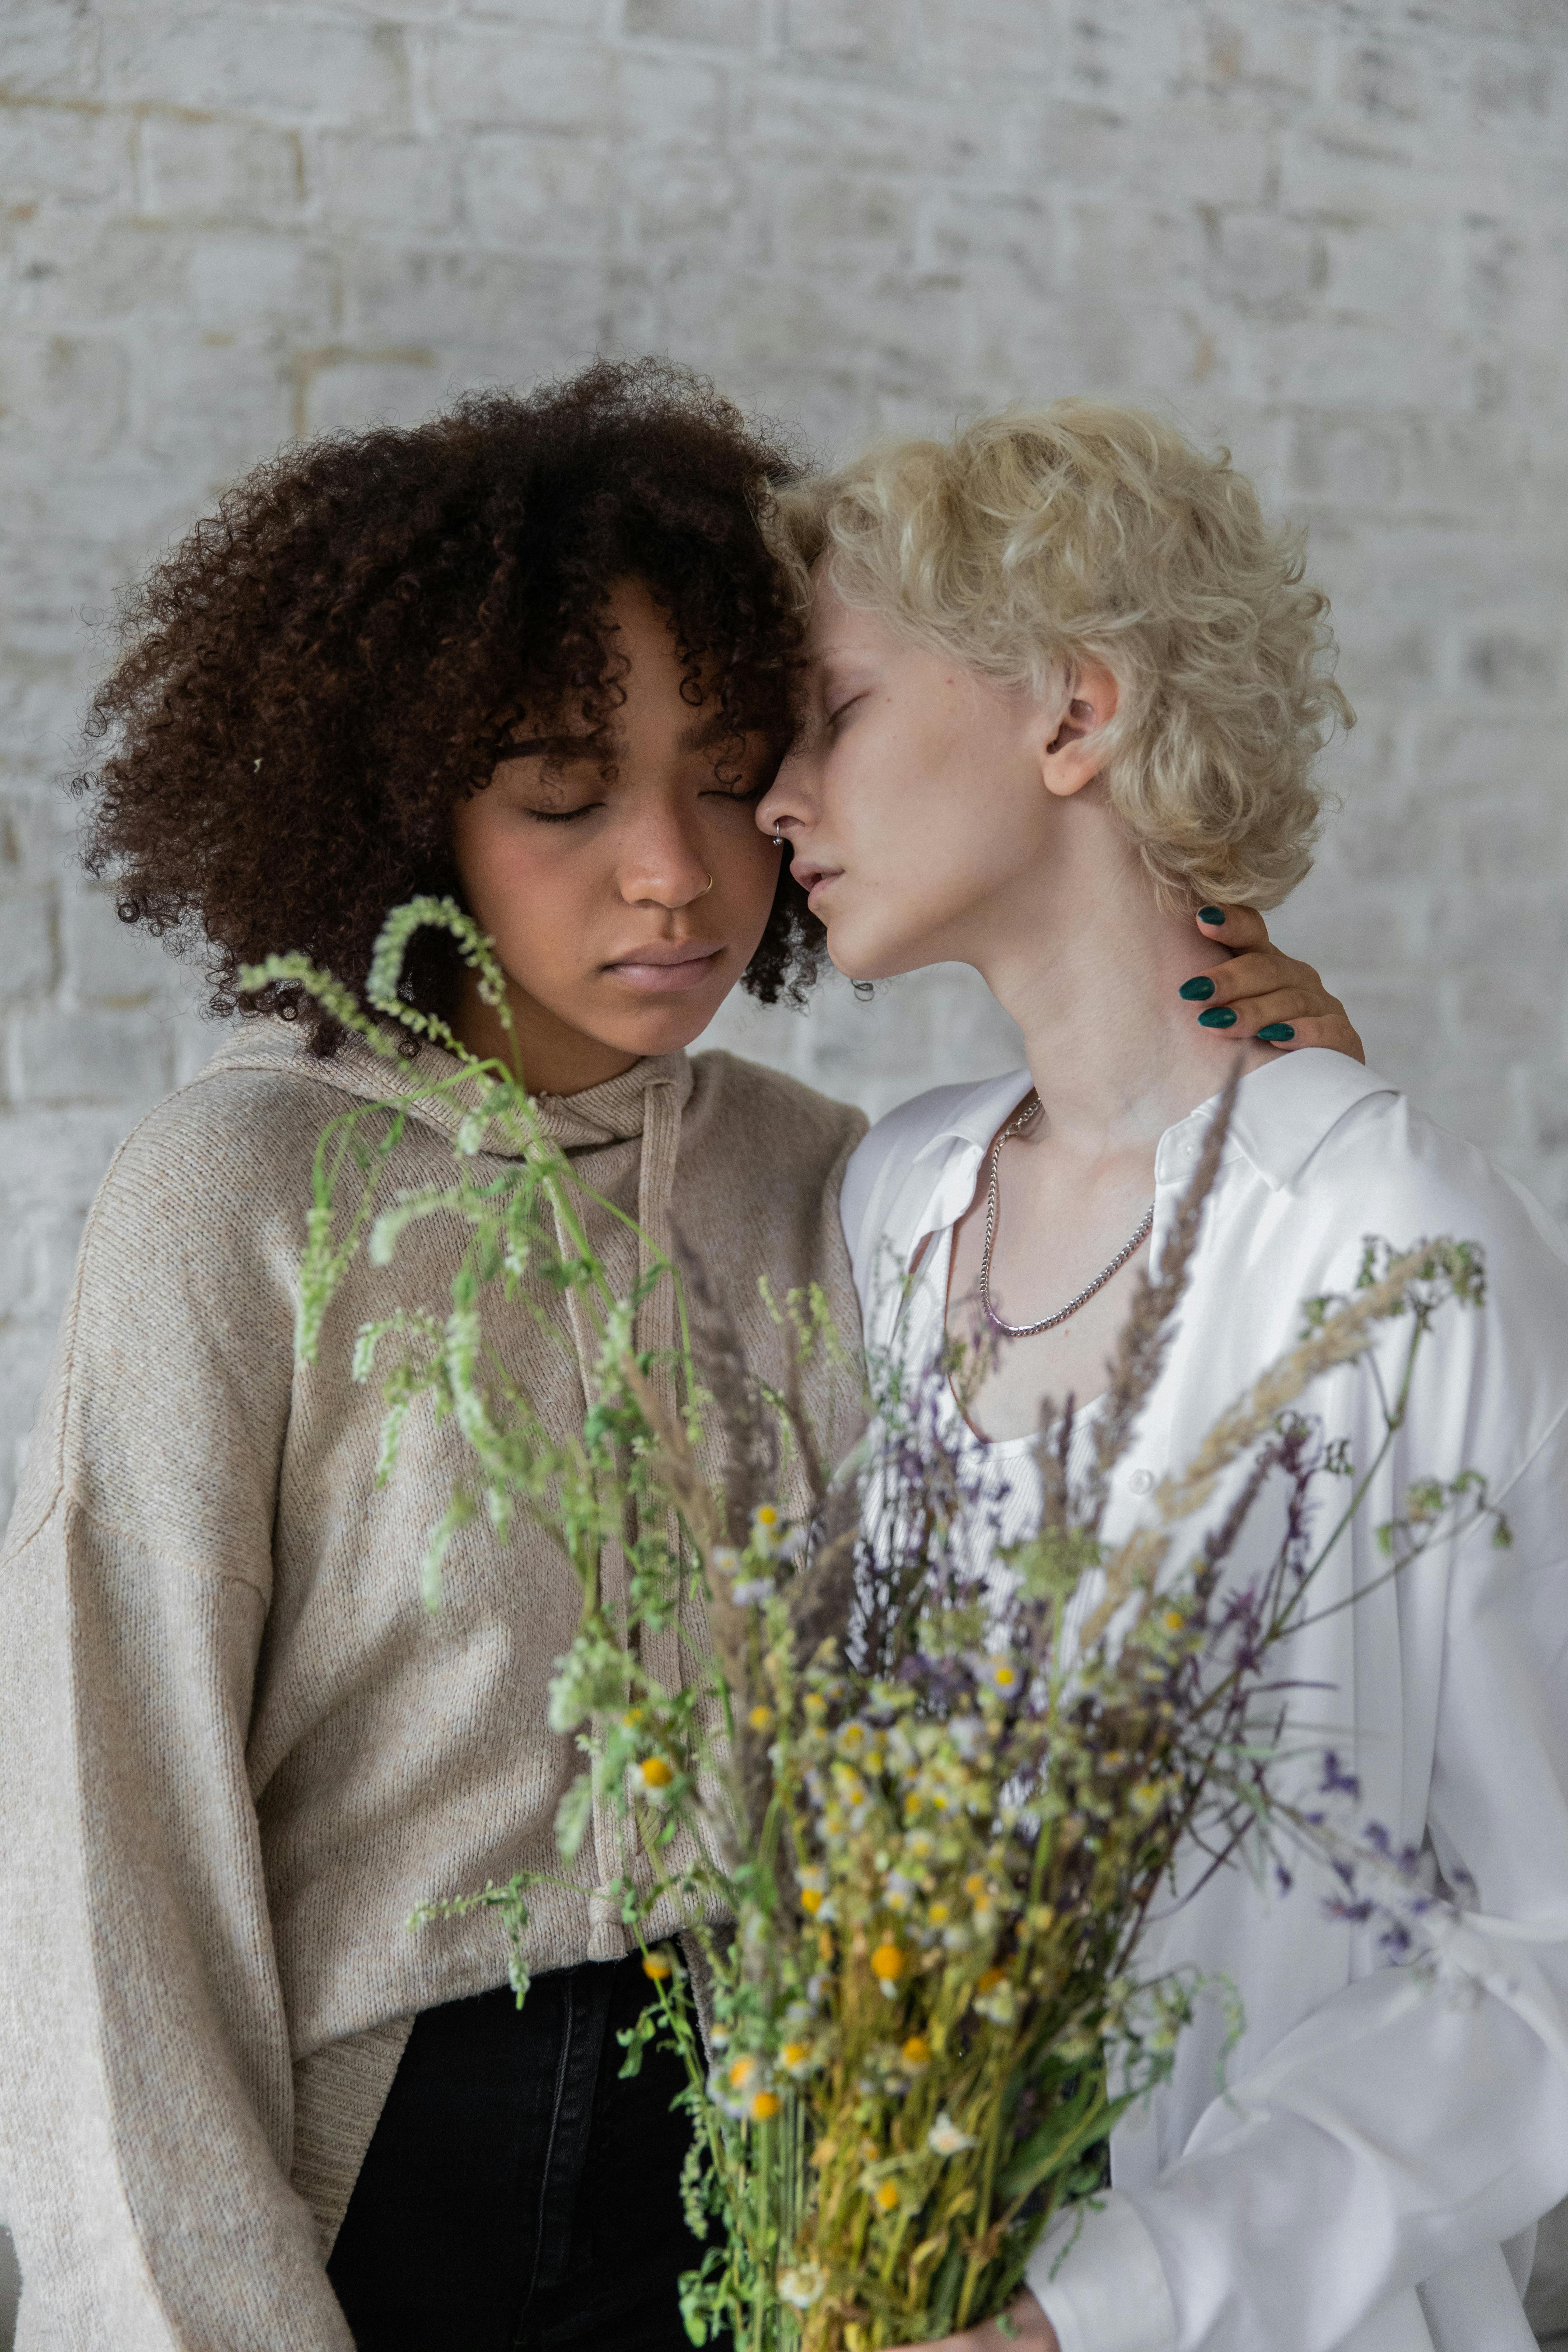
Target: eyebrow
x,y
701,735
704,734
562,750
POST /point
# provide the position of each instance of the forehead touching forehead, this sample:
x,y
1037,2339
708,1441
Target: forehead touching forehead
x,y
644,688
835,629
1036,540
858,641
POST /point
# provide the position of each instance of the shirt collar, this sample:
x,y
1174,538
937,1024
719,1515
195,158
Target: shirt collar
x,y
1282,1113
977,1115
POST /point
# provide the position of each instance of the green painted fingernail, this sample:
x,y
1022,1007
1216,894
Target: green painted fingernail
x,y
1218,1016
1277,1032
1211,915
1196,992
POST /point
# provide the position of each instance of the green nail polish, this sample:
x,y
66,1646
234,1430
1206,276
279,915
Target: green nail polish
x,y
1218,1016
1277,1032
1215,915
1196,992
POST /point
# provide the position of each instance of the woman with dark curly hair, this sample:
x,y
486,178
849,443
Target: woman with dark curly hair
x,y
536,654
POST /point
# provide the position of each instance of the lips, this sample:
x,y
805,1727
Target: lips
x,y
665,967
814,879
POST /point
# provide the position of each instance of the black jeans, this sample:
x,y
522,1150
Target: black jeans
x,y
518,2197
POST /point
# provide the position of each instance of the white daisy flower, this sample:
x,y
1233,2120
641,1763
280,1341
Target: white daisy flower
x,y
944,2138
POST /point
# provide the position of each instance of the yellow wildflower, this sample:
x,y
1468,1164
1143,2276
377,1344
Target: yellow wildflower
x,y
655,1772
764,2107
886,2195
741,2073
916,2052
888,1963
761,1719
811,1900
657,1966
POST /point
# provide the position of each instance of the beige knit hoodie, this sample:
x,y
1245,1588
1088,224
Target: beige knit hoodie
x,y
235,1752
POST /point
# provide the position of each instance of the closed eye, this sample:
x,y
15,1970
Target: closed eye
x,y
834,715
563,816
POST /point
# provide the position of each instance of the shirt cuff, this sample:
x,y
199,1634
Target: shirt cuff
x,y
1108,2293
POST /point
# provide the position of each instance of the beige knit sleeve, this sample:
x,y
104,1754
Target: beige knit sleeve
x,y
146,2086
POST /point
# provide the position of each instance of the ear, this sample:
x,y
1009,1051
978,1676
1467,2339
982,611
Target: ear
x,y
1072,756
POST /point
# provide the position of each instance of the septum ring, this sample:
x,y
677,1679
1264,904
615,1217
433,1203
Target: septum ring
x,y
778,838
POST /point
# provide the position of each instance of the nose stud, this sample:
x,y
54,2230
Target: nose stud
x,y
710,886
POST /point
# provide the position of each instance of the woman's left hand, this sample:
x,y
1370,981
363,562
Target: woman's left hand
x,y
1031,2331
1273,997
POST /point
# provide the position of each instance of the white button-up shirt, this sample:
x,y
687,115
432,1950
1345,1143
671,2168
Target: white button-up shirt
x,y
1370,2177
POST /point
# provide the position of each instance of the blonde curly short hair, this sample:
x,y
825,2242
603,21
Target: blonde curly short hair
x,y
1039,538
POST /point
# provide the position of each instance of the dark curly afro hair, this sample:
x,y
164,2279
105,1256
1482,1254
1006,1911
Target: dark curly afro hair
x,y
314,678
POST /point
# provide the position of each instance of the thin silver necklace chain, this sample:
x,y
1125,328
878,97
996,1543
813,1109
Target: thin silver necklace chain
x,y
1047,1322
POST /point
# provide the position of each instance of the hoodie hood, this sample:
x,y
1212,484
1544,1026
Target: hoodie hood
x,y
614,1112
644,1105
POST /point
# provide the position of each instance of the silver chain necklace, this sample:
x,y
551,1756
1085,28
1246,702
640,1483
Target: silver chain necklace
x,y
1047,1322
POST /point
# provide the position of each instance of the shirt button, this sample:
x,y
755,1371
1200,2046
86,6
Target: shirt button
x,y
1141,1481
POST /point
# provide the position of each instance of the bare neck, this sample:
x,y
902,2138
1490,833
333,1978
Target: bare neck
x,y
1116,1054
555,1058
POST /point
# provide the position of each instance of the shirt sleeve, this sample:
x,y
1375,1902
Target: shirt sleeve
x,y
1098,2276
146,2099
1420,2114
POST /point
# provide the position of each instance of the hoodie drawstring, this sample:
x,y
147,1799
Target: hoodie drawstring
x,y
656,1333
657,1323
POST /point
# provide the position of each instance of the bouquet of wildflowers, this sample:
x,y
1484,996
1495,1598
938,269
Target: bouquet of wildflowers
x,y
913,1812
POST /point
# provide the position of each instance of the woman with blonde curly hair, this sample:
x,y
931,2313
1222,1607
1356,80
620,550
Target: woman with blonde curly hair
x,y
1067,689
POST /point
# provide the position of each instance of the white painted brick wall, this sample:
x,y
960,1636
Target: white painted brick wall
x,y
1332,232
